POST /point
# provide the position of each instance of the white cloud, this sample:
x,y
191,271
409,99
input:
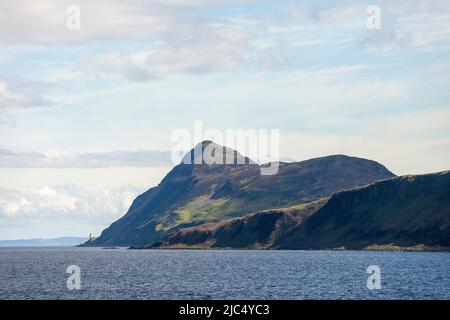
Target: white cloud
x,y
16,92
410,24
177,40
348,88
413,143
201,50
193,48
351,14
404,23
115,64
23,158
65,202
197,3
44,22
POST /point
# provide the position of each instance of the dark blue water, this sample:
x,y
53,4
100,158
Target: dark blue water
x,y
40,273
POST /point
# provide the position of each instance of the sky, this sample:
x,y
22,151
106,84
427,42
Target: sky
x,y
87,114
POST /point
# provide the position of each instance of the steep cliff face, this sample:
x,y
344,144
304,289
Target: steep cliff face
x,y
194,194
404,211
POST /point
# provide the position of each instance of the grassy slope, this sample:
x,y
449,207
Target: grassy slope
x,y
256,231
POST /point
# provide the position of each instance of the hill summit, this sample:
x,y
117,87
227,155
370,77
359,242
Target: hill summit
x,y
194,194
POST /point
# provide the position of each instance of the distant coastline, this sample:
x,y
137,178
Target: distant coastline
x,y
39,242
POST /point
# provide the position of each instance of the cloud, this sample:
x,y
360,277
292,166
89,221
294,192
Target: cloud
x,y
115,64
175,36
65,202
144,158
192,48
16,92
182,30
197,3
404,23
22,158
348,88
409,24
19,157
44,22
413,143
201,50
349,14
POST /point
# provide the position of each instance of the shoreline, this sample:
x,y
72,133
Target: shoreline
x,y
388,248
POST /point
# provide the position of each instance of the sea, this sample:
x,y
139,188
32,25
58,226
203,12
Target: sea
x,y
97,273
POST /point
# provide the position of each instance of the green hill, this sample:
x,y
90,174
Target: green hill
x,y
195,194
405,213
